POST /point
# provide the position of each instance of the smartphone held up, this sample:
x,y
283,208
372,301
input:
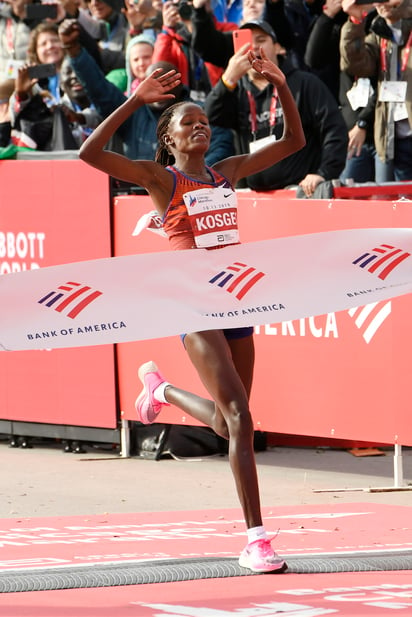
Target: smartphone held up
x,y
241,37
40,11
41,71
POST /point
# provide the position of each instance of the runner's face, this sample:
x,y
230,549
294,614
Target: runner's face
x,y
189,130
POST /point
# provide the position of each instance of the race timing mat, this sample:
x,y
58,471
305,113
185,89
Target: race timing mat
x,y
32,545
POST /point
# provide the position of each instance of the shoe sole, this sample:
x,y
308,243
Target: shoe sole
x,y
147,367
141,418
282,567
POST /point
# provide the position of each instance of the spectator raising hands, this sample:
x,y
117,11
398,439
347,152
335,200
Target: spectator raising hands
x,y
245,101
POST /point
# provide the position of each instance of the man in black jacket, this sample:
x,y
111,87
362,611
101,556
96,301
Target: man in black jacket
x,y
245,102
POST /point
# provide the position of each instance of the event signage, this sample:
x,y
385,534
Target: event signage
x,y
154,295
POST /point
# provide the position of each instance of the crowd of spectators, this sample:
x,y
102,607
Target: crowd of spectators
x,y
348,65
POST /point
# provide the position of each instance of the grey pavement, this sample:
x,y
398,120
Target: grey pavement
x,y
45,481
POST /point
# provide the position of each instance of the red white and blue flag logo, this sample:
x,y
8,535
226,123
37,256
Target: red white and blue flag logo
x,y
237,279
382,260
71,296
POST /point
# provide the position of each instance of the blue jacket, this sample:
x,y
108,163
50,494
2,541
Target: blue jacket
x,y
138,132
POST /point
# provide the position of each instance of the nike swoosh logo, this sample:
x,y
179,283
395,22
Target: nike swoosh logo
x,y
226,196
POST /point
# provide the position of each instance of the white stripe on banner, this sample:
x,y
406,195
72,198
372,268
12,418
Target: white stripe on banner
x,y
155,295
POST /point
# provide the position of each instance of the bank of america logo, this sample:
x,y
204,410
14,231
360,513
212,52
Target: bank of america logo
x,y
237,279
369,318
73,297
382,260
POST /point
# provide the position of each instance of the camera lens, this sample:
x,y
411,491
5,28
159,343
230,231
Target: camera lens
x,y
184,9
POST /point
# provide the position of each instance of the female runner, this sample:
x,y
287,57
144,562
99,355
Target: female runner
x,y
224,359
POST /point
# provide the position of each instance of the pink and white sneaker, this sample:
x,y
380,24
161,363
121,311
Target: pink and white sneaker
x,y
147,407
259,556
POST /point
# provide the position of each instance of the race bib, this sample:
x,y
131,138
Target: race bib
x,y
400,112
213,216
358,95
392,92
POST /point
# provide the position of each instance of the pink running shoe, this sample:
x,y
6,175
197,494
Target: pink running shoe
x,y
147,407
259,556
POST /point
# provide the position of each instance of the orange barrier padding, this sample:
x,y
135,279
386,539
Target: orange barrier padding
x,y
55,212
343,375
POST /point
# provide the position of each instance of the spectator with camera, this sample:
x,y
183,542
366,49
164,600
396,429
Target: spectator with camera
x,y
137,137
114,31
115,24
215,45
39,102
174,45
245,102
37,88
46,51
144,17
43,126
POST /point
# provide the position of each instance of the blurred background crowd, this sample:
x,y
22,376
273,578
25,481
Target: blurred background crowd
x,y
66,65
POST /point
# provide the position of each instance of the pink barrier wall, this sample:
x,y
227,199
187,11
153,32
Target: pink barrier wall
x,y
343,375
55,212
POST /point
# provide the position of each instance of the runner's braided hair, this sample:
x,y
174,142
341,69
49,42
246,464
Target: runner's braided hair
x,y
163,156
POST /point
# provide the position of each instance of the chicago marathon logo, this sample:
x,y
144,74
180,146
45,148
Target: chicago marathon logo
x,y
70,298
237,279
382,260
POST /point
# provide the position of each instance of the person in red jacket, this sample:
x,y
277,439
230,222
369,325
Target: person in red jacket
x,y
173,44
